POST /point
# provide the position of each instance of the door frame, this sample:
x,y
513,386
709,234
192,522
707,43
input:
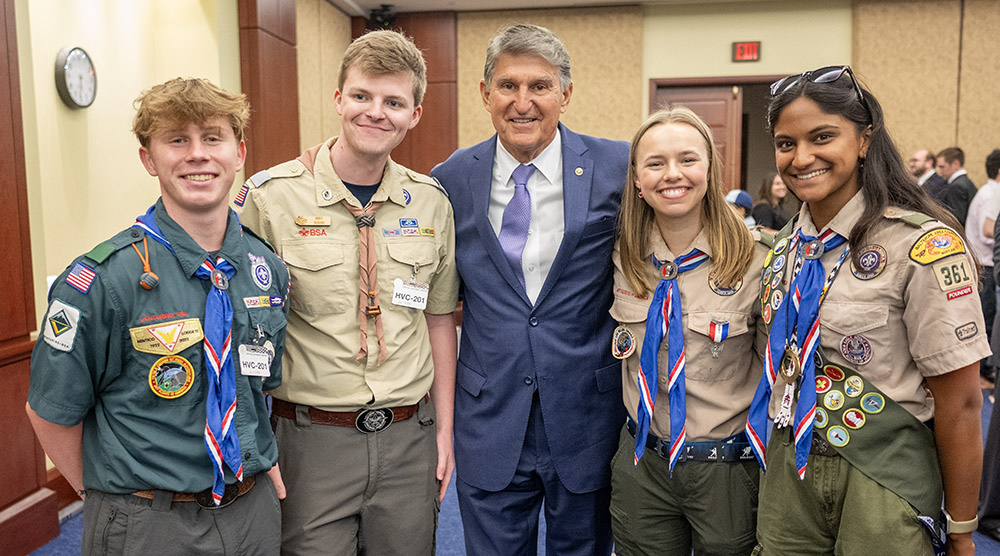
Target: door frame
x,y
655,84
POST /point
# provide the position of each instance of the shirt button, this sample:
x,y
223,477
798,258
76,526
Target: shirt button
x,y
528,380
533,321
247,456
135,233
531,268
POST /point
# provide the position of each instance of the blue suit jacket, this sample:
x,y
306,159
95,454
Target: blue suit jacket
x,y
562,344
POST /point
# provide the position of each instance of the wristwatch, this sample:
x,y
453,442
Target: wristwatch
x,y
958,527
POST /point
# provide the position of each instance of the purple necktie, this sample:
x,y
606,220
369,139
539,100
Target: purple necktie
x,y
517,215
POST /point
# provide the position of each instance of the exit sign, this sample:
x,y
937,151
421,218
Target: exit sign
x,y
746,51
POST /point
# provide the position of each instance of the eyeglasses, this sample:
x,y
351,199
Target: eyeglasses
x,y
827,74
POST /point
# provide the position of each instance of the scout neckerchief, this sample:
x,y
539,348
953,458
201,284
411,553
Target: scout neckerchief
x,y
664,319
221,400
365,219
796,315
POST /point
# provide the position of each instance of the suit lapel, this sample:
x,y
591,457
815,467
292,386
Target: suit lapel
x,y
480,184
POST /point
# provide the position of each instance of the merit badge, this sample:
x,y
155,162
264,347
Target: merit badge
x,y
936,244
767,259
856,349
776,297
718,331
722,290
767,314
822,418
854,386
966,331
952,275
838,436
854,419
391,232
776,279
834,372
960,292
219,280
81,277
171,377
60,325
261,272
778,263
167,338
833,400
872,262
408,223
406,197
823,384
814,249
766,278
622,342
779,247
872,403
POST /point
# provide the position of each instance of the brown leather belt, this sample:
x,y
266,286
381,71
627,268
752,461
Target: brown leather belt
x,y
204,498
366,420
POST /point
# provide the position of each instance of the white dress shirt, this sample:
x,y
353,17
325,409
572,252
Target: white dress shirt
x,y
986,204
951,178
923,179
545,229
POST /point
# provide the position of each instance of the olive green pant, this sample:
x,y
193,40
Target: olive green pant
x,y
836,510
707,507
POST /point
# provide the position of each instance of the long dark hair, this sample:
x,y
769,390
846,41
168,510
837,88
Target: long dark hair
x,y
882,178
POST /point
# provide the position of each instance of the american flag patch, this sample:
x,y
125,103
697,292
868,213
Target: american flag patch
x,y
81,277
241,197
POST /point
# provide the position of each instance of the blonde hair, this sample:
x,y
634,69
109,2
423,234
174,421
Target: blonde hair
x,y
730,241
386,52
182,101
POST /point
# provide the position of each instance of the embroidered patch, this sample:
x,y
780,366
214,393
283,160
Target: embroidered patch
x,y
854,386
872,403
854,419
167,338
835,373
779,247
722,290
427,232
81,277
952,274
776,279
171,377
260,271
391,232
778,263
411,231
61,325
241,197
622,342
960,292
822,419
823,384
776,297
966,331
408,223
406,197
856,349
833,400
936,244
312,232
872,262
767,314
838,436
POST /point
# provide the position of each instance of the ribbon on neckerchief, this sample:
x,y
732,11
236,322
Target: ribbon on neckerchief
x,y
664,319
797,315
221,440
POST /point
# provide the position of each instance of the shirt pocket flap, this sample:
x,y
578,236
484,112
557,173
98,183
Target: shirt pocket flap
x,y
313,256
701,322
413,253
843,318
627,311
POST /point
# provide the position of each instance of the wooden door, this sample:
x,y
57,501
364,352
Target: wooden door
x,y
721,107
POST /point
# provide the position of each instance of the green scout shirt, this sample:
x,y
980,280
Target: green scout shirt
x,y
100,350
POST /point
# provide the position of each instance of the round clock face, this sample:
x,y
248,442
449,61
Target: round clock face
x,y
76,79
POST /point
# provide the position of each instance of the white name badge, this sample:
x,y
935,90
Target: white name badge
x,y
255,360
409,294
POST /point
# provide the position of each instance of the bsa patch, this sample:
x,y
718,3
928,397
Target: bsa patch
x,y
427,232
856,349
81,277
936,244
854,386
952,274
833,400
779,247
61,325
823,384
261,272
622,342
854,419
722,290
171,377
872,403
391,232
822,419
966,331
167,338
872,262
835,373
838,436
406,197
312,232
960,292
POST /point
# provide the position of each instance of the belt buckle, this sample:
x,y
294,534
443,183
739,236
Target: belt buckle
x,y
229,495
373,420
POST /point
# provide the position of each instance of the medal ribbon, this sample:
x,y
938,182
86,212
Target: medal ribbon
x,y
221,400
799,311
718,331
665,319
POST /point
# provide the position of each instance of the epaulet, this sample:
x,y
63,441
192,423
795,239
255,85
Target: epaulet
x,y
254,235
421,178
122,239
763,237
915,219
289,169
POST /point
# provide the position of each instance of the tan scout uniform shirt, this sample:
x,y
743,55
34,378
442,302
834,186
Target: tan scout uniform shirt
x,y
719,390
910,321
323,259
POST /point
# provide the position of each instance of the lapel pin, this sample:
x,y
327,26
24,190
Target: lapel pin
x,y
578,171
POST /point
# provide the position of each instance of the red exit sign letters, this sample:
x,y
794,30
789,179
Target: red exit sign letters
x,y
746,51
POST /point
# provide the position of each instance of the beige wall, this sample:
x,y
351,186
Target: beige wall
x,y
979,102
322,35
605,47
85,182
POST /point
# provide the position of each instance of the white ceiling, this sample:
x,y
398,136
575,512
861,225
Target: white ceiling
x,y
363,7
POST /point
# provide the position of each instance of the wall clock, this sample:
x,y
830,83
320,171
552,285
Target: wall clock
x,y
76,78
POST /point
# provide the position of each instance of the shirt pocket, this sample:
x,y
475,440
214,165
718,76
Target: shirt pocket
x,y
320,274
266,325
736,348
407,258
856,333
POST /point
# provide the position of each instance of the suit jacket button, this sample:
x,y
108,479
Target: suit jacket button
x,y
533,321
528,380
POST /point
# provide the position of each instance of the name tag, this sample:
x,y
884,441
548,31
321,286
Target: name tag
x,y
255,360
409,294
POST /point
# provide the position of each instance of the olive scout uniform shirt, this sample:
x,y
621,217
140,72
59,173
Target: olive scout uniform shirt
x,y
300,213
719,390
130,364
913,312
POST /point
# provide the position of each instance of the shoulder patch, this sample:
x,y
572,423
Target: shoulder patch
x,y
60,325
124,238
259,179
935,245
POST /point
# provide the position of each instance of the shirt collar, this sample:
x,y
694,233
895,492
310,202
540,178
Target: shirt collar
x,y
189,254
547,162
954,176
658,247
328,180
842,223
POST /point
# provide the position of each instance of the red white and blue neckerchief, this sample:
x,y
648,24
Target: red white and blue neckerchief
x,y
797,314
665,320
221,440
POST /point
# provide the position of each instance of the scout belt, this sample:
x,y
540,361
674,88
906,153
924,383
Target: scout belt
x,y
727,450
365,420
204,498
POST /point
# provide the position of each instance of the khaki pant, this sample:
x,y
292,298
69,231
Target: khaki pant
x,y
707,507
350,492
836,510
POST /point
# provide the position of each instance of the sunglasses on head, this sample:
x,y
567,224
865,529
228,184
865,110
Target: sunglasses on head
x,y
827,74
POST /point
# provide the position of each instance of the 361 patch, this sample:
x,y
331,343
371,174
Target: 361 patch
x,y
935,245
61,325
952,275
